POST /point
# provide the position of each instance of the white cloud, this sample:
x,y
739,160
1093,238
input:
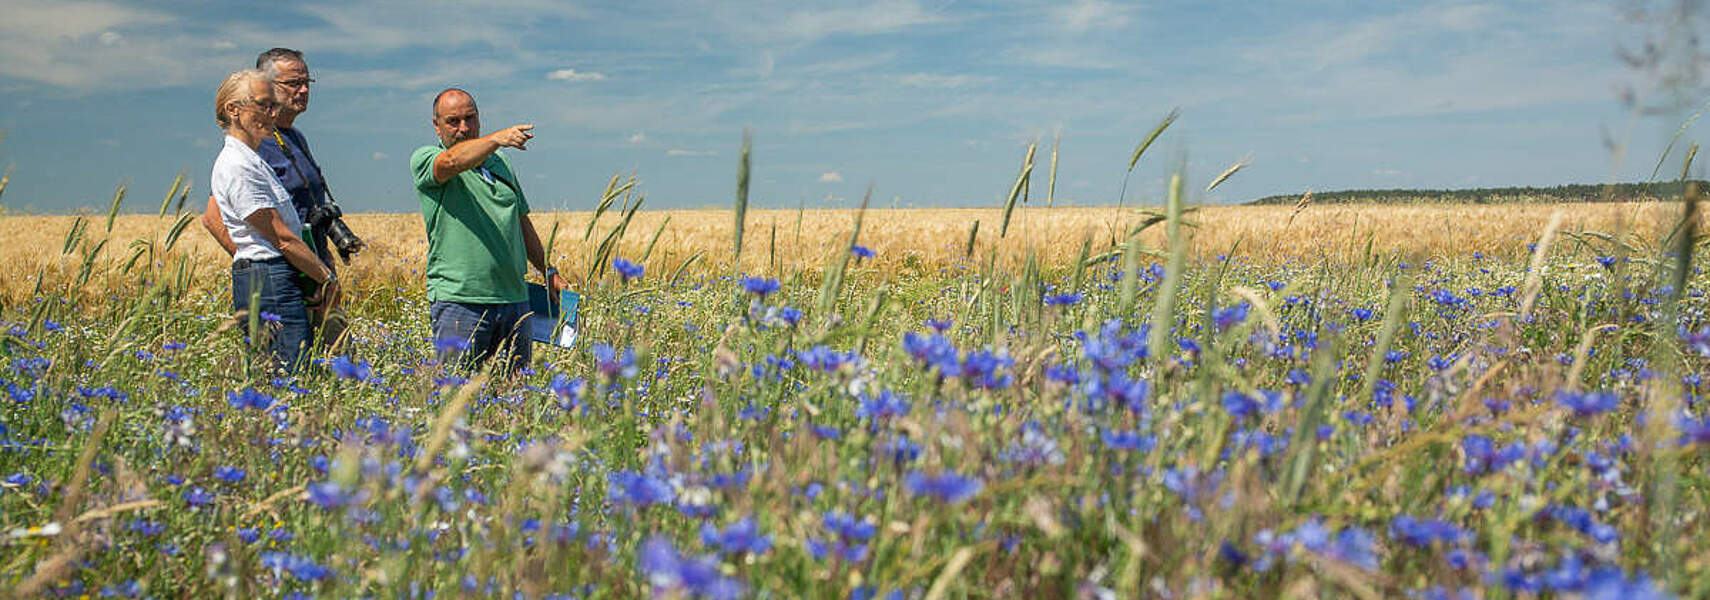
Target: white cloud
x,y
1083,15
381,156
887,16
1387,172
830,177
690,153
571,75
639,137
935,80
110,38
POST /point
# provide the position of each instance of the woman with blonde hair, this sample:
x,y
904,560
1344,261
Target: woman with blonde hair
x,y
271,261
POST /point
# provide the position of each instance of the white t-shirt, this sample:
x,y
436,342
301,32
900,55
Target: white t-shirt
x,y
243,184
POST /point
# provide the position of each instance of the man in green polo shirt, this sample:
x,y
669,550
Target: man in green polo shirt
x,y
480,240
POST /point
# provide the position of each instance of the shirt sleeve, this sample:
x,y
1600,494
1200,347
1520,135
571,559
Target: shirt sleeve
x,y
421,164
254,191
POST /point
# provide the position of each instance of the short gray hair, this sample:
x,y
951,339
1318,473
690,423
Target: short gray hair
x,y
265,61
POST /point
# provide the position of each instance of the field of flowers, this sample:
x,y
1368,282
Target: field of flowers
x,y
1134,422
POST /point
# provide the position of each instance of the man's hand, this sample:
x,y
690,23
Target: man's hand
x,y
556,283
515,136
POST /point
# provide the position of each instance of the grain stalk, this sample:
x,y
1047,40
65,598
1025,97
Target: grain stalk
x,y
1122,193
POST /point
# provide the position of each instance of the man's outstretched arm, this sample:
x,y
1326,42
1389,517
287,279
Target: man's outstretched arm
x,y
468,154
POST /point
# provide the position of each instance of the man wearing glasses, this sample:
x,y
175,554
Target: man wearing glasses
x,y
287,153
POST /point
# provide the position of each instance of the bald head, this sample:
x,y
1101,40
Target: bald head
x,y
455,117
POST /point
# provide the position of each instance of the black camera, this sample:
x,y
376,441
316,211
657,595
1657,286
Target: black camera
x,y
329,218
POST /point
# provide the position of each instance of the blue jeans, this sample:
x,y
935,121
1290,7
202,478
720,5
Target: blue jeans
x,y
279,294
487,330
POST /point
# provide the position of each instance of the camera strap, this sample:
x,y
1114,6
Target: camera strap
x,y
291,163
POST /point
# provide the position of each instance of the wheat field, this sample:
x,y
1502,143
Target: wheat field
x,y
907,242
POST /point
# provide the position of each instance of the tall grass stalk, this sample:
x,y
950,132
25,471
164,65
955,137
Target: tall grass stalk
x,y
1122,193
1164,308
740,211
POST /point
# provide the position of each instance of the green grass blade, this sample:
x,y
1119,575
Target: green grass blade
x,y
1015,191
652,242
167,201
740,212
1051,188
1152,137
1163,310
113,211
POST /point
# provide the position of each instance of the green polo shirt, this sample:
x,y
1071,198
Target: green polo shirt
x,y
474,231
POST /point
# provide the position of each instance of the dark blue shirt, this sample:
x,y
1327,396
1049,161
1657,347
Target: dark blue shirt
x,y
296,169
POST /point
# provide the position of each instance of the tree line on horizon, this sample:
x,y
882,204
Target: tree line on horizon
x,y
1567,193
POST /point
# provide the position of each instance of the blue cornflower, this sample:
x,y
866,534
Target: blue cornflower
x,y
1608,262
329,495
1423,533
1068,299
946,487
1586,404
1122,391
349,369
860,251
1240,405
938,325
899,450
1361,314
197,496
451,344
639,489
932,351
627,270
147,528
886,404
981,369
760,286
1225,318
671,572
249,398
1356,547
269,317
851,536
743,536
1193,487
568,391
229,474
823,358
1128,440
1064,373
1035,448
1482,455
17,480
612,364
301,568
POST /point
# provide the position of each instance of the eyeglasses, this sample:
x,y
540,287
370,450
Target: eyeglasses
x,y
268,106
303,83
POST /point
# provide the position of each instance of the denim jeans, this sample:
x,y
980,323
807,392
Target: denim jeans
x,y
280,295
469,334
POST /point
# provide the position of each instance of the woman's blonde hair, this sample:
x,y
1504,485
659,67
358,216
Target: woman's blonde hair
x,y
233,89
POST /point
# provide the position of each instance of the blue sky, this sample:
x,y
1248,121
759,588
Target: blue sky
x,y
931,102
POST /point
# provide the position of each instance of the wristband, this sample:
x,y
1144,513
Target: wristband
x,y
549,272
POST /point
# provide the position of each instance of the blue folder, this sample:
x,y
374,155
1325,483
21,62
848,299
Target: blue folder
x,y
554,319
